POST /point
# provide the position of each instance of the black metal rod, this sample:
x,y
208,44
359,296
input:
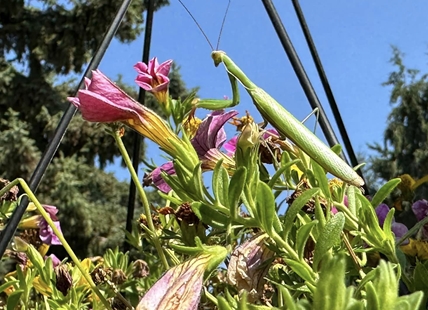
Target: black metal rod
x,y
138,139
327,89
301,74
7,234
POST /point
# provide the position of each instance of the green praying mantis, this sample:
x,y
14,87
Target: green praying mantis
x,y
286,124
282,120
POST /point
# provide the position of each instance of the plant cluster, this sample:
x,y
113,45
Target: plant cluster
x,y
224,239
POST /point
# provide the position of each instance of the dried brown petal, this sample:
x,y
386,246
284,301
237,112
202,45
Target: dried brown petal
x,y
63,279
248,266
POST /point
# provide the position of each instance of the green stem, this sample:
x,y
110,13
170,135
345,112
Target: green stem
x,y
293,255
64,242
143,197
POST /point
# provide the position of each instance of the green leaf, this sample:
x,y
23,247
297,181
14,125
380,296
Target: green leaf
x,y
286,297
337,149
409,302
330,293
299,269
302,237
7,284
329,236
295,208
373,302
280,171
210,216
222,303
321,178
265,204
221,184
384,191
236,187
13,299
387,225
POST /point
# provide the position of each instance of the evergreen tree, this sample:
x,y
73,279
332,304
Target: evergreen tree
x,y
41,42
405,146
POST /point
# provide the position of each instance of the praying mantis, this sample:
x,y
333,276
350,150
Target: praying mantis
x,y
282,120
286,124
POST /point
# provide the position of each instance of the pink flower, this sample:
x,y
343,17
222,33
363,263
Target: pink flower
x,y
154,78
102,101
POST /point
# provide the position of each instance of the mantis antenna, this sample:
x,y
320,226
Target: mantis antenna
x,y
200,28
222,25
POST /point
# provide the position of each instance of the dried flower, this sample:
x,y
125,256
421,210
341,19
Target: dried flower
x,y
179,288
140,269
63,279
248,266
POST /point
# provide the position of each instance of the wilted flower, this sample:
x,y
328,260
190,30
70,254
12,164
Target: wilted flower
x,y
103,101
63,279
140,269
398,229
154,78
179,288
248,266
12,194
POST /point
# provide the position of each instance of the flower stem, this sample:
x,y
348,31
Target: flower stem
x,y
143,196
64,242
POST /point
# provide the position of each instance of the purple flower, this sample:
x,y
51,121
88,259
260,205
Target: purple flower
x,y
154,78
420,209
207,142
47,235
398,229
52,211
156,179
211,133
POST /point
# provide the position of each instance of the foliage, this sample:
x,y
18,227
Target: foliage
x,y
333,248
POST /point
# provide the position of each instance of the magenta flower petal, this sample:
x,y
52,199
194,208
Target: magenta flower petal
x,y
211,133
47,235
55,260
230,146
104,102
52,211
154,77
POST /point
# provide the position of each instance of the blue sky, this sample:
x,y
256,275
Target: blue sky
x,y
353,39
